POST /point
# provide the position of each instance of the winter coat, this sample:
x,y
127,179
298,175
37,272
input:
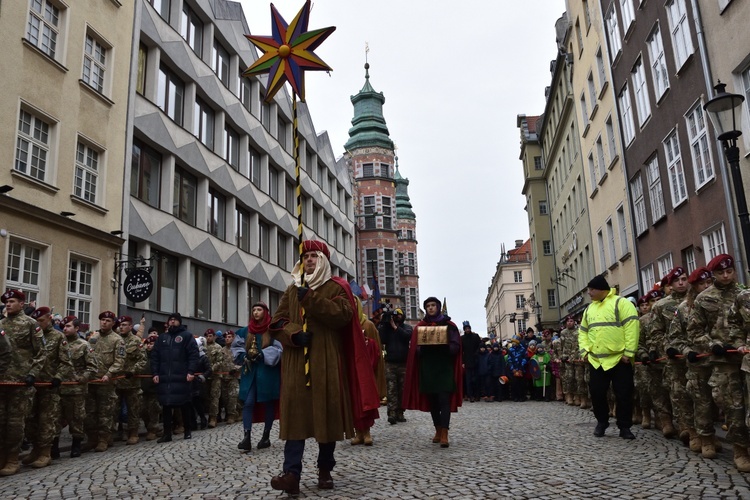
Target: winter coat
x,y
395,342
371,335
496,363
470,344
517,358
483,367
609,330
265,371
174,356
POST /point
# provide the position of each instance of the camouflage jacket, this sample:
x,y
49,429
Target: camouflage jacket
x,y
646,321
57,355
556,350
109,350
662,315
569,341
677,335
135,361
83,367
739,319
215,358
708,322
27,353
228,364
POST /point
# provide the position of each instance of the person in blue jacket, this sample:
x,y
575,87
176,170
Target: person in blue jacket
x,y
517,362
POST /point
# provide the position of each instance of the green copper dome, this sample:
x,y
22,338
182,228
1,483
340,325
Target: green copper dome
x,y
403,204
368,125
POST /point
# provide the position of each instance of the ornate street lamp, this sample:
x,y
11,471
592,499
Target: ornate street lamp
x,y
723,110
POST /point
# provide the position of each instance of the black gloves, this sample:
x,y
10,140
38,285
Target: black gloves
x,y
128,374
652,356
718,350
301,339
672,353
29,380
692,357
56,382
301,292
258,358
645,359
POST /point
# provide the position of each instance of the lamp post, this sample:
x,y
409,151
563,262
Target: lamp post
x,y
513,320
723,110
538,311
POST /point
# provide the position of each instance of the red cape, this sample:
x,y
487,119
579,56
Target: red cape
x,y
363,391
415,400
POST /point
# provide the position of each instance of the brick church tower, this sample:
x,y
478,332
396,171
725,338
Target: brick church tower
x,y
385,237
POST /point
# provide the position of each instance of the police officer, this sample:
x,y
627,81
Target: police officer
x,y
129,388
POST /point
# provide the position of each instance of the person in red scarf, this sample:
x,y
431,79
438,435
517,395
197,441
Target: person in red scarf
x,y
260,378
433,373
317,322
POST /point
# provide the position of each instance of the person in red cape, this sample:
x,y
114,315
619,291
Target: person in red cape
x,y
317,324
434,374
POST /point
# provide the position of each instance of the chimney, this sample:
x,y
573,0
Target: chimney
x,y
519,243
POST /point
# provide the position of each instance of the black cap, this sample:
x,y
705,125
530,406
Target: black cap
x,y
598,283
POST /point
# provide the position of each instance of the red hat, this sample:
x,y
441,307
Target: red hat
x,y
108,315
124,319
643,300
13,294
721,262
40,311
210,331
655,294
700,274
68,319
314,245
674,274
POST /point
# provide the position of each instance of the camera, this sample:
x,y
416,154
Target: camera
x,y
387,310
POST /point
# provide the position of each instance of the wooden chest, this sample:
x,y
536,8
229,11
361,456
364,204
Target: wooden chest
x,y
432,335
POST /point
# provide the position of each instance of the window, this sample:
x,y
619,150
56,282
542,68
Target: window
x,y
626,115
538,163
369,206
44,26
273,184
183,201
547,247
221,63
642,104
551,298
592,171
611,241
145,174
162,7
242,229
674,167
390,271
86,172
520,301
230,303
647,277
32,145
23,269
201,285
703,167
289,199
586,14
140,84
264,245
216,214
281,246
613,32
622,225
659,73
521,325
169,94
628,14
281,134
714,242
367,170
385,170
254,166
80,294
246,94
413,300
682,43
584,110
164,274
592,90
265,115
746,85
191,29
579,37
664,264
600,157
653,177
639,205
602,252
600,68
518,276
203,124
543,209
387,219
94,63
688,257
611,144
232,147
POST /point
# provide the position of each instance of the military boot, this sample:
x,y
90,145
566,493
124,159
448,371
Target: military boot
x,y
103,442
741,458
133,437
667,428
151,435
585,403
576,400
32,456
44,458
3,458
11,464
695,441
211,422
75,448
357,439
708,449
646,420
438,433
569,399
367,438
55,450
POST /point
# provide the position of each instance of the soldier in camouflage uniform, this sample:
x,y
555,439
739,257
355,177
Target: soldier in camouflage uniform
x,y
641,374
129,388
216,359
102,402
558,369
151,409
41,425
230,383
709,333
83,367
27,356
569,357
676,343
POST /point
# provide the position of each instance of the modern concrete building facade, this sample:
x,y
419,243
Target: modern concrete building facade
x,y
211,182
507,296
64,110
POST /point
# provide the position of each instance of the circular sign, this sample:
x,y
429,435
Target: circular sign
x,y
138,285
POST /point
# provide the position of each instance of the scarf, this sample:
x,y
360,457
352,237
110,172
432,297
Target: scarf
x,y
255,328
434,319
321,274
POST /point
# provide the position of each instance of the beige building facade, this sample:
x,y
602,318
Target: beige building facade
x,y
507,296
64,109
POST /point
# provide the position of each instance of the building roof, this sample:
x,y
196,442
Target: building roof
x,y
368,125
520,254
403,204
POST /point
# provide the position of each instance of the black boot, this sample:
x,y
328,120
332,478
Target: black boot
x,y
246,444
265,442
55,450
204,422
75,448
166,417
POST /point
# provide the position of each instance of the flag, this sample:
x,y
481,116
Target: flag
x,y
375,293
357,291
445,306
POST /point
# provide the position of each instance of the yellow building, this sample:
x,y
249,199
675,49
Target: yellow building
x,y
63,109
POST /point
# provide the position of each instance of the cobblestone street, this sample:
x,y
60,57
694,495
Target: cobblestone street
x,y
498,450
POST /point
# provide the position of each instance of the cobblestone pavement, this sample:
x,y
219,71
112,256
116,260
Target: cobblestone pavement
x,y
497,450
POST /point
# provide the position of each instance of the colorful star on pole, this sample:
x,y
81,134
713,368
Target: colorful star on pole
x,y
288,53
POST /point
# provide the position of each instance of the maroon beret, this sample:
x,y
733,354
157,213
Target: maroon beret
x,y
210,331
643,300
40,311
655,294
721,262
125,319
313,245
68,319
700,274
108,315
13,294
674,274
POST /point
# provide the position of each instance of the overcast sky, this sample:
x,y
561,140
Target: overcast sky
x,y
455,74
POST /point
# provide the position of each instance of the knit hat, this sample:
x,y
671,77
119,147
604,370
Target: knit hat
x,y
721,262
176,316
700,274
598,283
432,299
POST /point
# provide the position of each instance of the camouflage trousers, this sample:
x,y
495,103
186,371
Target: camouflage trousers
x,y
41,424
582,379
727,389
132,398
675,373
150,411
226,391
72,414
568,374
697,387
658,389
101,407
394,379
15,406
641,379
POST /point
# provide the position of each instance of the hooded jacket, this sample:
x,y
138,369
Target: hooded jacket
x,y
609,330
